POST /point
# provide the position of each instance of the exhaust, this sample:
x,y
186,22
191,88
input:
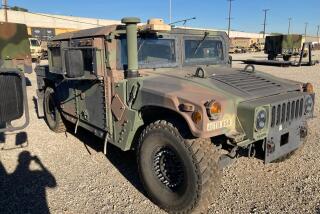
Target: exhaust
x,y
132,46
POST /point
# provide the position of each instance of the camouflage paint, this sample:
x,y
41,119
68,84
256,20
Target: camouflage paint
x,y
14,47
168,88
283,44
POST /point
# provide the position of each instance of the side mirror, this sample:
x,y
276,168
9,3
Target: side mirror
x,y
13,99
74,63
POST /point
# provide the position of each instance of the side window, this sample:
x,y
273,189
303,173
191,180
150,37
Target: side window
x,y
56,57
152,52
88,59
80,60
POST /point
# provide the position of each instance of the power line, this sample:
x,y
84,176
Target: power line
x,y
318,28
289,26
229,17
305,30
265,22
170,11
5,7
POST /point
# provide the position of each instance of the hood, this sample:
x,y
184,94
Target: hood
x,y
234,83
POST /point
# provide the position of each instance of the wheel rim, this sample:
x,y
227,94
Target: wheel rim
x,y
168,168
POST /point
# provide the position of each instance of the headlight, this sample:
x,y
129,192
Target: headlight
x,y
213,110
308,105
261,120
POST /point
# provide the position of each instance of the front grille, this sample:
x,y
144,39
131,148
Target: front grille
x,y
286,112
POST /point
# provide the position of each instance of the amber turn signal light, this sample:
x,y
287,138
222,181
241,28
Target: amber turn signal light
x,y
308,87
196,116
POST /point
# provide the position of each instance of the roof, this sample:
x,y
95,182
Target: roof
x,y
92,32
106,30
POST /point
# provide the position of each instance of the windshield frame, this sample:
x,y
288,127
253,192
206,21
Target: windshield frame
x,y
202,62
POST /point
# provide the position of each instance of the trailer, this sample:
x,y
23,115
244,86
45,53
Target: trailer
x,y
284,45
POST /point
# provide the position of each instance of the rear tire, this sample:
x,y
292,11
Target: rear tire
x,y
52,113
179,175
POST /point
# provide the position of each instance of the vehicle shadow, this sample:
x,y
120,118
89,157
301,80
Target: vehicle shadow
x,y
125,162
24,190
21,140
34,100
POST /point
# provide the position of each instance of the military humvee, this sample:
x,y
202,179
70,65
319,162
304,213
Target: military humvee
x,y
15,59
171,95
284,45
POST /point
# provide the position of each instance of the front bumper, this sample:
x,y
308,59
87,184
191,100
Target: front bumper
x,y
287,126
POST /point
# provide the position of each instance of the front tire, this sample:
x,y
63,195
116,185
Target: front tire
x,y
179,175
52,113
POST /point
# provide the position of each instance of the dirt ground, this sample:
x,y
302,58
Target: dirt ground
x,y
41,171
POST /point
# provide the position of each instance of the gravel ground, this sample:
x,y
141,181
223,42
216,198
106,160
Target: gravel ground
x,y
41,171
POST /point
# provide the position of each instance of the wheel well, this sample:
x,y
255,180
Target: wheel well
x,y
153,113
48,83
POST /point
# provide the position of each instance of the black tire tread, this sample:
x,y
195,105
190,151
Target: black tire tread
x,y
205,158
60,126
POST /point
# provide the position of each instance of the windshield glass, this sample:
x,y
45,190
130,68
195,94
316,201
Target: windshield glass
x,y
34,42
207,51
152,52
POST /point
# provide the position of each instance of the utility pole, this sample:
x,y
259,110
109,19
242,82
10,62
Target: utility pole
x,y
5,7
265,22
305,30
229,17
318,28
170,11
289,27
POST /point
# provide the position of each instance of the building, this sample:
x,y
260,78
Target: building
x,y
45,26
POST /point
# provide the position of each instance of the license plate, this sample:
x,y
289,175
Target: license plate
x,y
218,125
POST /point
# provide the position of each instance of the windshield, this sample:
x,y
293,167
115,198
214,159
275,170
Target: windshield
x,y
207,51
152,52
34,42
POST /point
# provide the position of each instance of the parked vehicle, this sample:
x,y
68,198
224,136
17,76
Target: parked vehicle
x,y
284,45
36,50
15,60
172,96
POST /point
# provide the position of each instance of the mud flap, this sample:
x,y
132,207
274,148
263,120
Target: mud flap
x,y
39,100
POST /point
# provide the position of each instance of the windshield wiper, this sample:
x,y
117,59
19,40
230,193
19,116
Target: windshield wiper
x,y
206,34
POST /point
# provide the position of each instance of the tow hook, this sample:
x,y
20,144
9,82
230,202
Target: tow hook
x,y
303,132
228,159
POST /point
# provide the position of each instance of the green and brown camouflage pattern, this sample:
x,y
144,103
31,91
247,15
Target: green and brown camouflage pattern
x,y
283,44
112,106
14,47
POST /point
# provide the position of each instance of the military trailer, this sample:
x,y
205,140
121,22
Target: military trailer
x,y
172,96
284,45
15,59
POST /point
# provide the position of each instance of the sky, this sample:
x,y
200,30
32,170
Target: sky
x,y
247,14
